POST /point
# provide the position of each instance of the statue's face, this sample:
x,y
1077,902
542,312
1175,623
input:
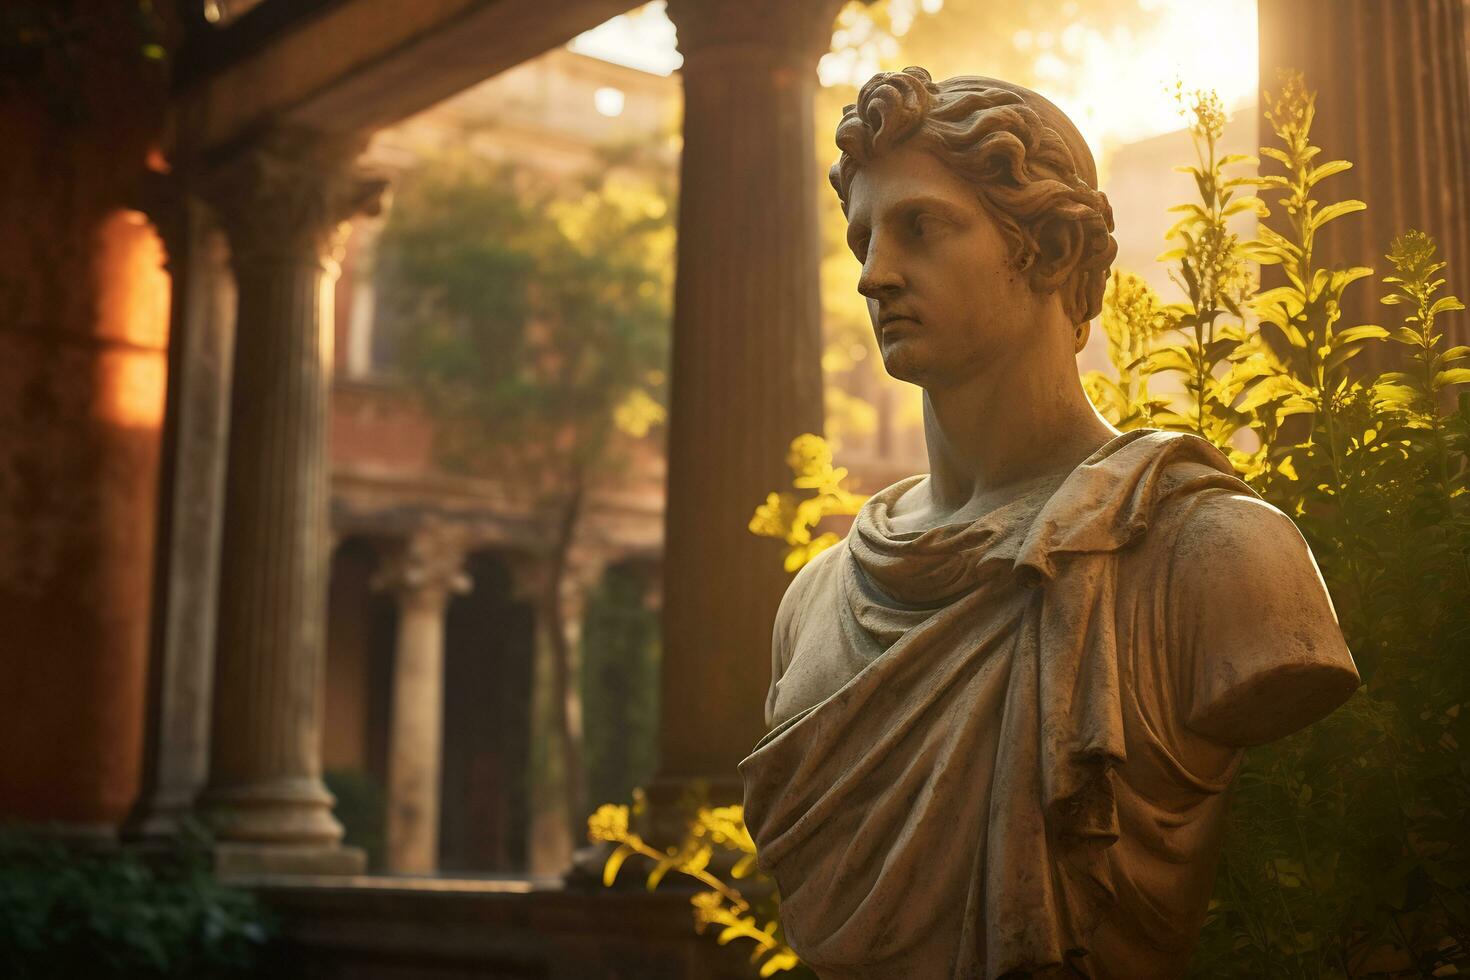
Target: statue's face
x,y
945,299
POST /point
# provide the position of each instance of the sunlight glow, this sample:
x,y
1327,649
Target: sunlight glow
x,y
642,39
609,101
1120,89
1117,86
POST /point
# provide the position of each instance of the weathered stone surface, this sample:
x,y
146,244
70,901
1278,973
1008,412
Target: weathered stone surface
x,y
377,929
283,205
1008,709
424,575
746,364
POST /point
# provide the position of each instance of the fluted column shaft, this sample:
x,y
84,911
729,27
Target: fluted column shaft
x,y
746,372
1393,97
424,576
282,206
190,509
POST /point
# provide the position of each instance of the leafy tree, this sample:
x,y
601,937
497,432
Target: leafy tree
x,y
535,326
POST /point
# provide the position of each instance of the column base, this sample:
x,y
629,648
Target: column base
x,y
234,859
159,818
295,811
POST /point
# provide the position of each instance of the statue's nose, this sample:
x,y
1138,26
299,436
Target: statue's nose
x,y
878,281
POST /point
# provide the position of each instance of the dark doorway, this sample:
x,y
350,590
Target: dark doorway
x,y
362,626
488,649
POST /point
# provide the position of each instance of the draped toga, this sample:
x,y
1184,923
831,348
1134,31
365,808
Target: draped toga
x,y
1002,748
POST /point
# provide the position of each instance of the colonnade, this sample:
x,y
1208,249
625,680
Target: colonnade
x,y
745,379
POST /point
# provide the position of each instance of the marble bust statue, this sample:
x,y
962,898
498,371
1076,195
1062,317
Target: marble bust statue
x,y
1007,710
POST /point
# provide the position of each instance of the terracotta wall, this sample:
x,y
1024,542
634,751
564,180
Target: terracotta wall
x,y
83,331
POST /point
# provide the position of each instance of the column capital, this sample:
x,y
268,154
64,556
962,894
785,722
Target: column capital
x,y
289,194
163,199
797,32
429,567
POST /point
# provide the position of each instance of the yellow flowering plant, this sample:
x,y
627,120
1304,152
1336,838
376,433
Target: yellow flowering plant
x,y
794,519
712,830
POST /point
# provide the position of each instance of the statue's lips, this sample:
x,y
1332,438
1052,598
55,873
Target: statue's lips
x,y
898,324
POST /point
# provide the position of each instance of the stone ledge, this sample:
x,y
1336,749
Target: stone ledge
x,y
236,863
381,928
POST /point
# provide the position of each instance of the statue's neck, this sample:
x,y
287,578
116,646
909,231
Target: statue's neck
x,y
999,434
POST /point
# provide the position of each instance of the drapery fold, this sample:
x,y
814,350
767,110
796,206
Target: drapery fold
x,y
948,811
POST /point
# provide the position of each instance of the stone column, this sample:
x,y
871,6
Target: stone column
x,y
424,575
746,370
283,204
1393,97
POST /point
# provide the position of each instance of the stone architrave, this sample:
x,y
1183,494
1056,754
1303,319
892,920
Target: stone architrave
x,y
284,203
746,366
424,575
1007,710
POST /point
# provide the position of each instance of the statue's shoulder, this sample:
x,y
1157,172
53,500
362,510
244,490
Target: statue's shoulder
x,y
1231,525
810,580
1251,617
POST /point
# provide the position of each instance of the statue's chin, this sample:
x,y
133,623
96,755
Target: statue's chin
x,y
903,365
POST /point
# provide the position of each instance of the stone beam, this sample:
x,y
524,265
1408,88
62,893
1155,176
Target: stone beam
x,y
363,64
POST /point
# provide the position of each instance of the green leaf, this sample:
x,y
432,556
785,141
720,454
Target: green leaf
x,y
1334,211
1172,358
614,865
1253,204
1445,304
1326,170
664,866
1453,376
743,867
1271,389
779,962
1367,331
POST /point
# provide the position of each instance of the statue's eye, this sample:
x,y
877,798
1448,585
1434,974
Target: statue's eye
x,y
923,224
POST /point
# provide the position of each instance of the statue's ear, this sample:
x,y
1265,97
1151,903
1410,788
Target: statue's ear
x,y
1073,257
1060,242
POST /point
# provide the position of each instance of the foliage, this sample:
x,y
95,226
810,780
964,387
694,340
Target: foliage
x,y
537,316
537,338
70,914
792,518
713,831
1133,318
56,51
362,809
620,664
1345,854
1207,330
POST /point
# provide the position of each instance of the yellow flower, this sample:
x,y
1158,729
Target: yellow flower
x,y
609,823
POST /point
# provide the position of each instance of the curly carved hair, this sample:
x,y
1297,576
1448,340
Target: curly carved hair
x,y
1029,164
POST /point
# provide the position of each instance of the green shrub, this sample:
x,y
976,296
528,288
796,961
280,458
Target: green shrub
x,y
66,915
1347,853
362,809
